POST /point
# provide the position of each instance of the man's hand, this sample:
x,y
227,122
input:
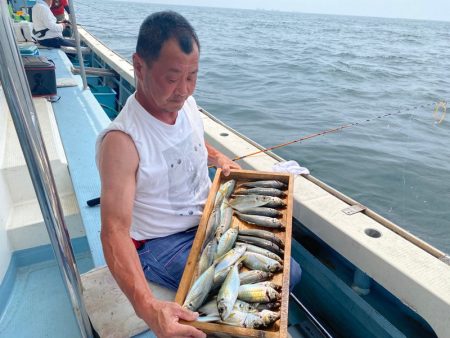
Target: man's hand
x,y
216,158
226,164
163,319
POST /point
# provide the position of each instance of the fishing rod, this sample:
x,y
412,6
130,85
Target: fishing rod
x,y
439,118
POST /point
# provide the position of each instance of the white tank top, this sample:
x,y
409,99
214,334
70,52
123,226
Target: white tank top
x,y
172,179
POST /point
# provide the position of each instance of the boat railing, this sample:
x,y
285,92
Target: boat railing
x,y
23,113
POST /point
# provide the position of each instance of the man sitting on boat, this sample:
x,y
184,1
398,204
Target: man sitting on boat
x,y
153,165
48,32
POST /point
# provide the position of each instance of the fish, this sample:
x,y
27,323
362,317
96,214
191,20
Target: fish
x,y
257,294
254,276
244,306
266,184
274,286
266,306
226,216
262,211
261,191
256,261
207,256
209,308
209,318
242,202
257,249
228,292
263,221
244,319
229,258
269,317
226,242
262,243
219,277
269,235
211,227
225,191
200,290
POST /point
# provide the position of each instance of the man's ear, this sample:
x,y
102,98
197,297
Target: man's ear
x,y
137,64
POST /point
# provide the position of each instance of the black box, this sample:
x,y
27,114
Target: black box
x,y
41,75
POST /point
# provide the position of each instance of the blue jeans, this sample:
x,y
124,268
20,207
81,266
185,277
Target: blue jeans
x,y
163,259
57,42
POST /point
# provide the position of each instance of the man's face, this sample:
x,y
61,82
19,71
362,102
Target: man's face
x,y
168,81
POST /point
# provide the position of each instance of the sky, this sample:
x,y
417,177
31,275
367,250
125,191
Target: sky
x,y
410,9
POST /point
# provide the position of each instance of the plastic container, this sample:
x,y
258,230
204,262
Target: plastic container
x,y
106,96
29,50
93,80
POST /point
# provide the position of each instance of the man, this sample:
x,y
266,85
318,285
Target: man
x,y
153,166
45,28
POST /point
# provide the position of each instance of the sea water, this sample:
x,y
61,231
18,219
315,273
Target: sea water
x,y
278,76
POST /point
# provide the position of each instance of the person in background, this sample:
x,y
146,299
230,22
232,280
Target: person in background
x,y
47,31
153,163
58,7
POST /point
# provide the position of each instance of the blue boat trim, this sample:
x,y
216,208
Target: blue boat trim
x,y
80,118
27,257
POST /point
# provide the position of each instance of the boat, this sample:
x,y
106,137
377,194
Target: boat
x,y
363,276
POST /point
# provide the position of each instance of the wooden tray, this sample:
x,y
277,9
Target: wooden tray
x,y
279,328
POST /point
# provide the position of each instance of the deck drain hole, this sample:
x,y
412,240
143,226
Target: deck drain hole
x,y
224,134
372,233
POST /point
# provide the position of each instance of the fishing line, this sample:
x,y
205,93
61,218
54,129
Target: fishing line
x,y
440,104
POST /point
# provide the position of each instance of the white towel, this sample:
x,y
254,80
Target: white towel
x,y
291,167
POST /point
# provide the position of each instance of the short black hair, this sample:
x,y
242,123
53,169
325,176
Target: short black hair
x,y
159,27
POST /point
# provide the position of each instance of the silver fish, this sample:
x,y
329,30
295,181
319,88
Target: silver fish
x,y
262,211
261,191
226,216
254,276
266,306
244,319
229,258
257,294
209,308
263,221
261,242
240,305
226,242
219,277
225,191
274,286
210,318
269,317
266,184
242,202
269,235
251,201
200,290
228,292
213,223
207,257
256,261
257,249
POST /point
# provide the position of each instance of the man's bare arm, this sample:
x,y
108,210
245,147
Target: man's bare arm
x,y
219,160
118,163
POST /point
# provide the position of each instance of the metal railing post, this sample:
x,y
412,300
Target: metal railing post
x,y
73,21
23,113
